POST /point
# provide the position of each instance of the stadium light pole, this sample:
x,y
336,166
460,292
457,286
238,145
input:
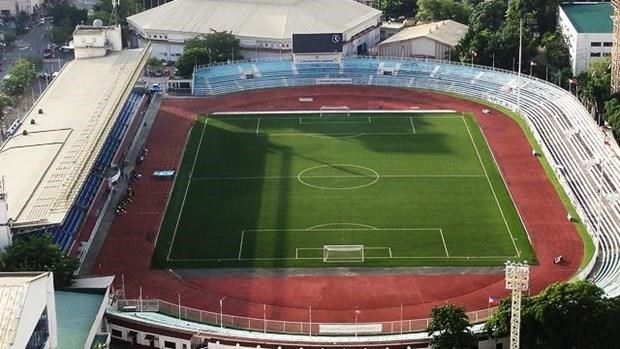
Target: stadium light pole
x,y
519,72
356,314
517,280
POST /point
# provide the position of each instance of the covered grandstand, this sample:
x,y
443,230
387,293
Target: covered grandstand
x,y
56,160
586,163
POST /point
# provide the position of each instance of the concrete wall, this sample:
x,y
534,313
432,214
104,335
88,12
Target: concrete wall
x,y
140,338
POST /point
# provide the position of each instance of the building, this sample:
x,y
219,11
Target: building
x,y
51,160
431,40
96,41
34,315
10,8
263,27
588,29
27,311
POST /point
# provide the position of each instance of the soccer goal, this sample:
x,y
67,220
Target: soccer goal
x,y
326,110
343,253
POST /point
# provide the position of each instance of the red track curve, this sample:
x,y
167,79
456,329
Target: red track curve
x,y
128,246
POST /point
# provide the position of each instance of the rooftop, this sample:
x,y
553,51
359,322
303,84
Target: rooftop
x,y
592,17
76,312
274,19
447,32
13,296
45,168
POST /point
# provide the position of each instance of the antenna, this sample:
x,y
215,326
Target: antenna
x,y
114,15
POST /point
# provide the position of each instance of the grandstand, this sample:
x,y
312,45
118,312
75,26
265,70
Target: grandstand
x,y
56,161
586,166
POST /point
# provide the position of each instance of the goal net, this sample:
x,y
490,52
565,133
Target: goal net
x,y
334,111
343,253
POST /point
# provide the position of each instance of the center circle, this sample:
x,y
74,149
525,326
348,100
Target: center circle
x,y
338,177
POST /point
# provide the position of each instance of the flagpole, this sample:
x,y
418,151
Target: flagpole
x,y
519,73
310,313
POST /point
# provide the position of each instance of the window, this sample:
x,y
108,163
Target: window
x,y
608,44
170,345
595,44
595,54
606,54
117,333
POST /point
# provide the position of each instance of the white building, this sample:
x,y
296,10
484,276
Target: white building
x,y
27,311
264,27
96,41
431,40
13,7
588,29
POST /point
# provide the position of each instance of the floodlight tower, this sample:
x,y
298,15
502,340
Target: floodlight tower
x,y
517,280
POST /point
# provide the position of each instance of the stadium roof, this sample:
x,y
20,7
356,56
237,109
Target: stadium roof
x,y
13,297
45,169
447,32
272,19
590,17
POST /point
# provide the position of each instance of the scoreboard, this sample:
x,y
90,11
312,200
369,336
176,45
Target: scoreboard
x,y
317,43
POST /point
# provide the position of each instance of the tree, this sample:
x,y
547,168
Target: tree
x,y
206,49
19,76
594,84
396,8
449,328
39,253
5,102
103,10
437,10
66,17
565,315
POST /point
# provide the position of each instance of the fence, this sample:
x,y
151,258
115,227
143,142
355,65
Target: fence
x,y
279,326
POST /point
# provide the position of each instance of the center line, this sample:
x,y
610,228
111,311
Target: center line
x,y
257,125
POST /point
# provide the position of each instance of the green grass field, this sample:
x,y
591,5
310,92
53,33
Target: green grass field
x,y
270,191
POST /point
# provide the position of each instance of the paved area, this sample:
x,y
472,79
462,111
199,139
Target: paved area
x,y
100,235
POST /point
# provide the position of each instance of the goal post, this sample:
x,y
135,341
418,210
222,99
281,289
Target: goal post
x,y
343,253
327,110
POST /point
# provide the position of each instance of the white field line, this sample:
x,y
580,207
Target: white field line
x,y
257,126
451,115
317,258
445,247
344,229
412,126
241,243
343,176
189,181
491,186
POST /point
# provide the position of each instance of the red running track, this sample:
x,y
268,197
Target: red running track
x,y
129,245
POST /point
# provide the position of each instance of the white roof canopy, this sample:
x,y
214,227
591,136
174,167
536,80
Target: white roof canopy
x,y
44,169
263,19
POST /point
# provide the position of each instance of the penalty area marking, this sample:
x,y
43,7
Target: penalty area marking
x,y
412,126
317,228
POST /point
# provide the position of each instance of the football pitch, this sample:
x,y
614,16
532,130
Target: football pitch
x,y
379,190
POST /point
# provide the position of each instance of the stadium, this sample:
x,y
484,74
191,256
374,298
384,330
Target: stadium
x,y
232,249
294,203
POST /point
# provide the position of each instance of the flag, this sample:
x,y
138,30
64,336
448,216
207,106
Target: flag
x,y
572,81
533,63
473,53
493,301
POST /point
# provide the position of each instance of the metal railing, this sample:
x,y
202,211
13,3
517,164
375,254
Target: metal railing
x,y
279,326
